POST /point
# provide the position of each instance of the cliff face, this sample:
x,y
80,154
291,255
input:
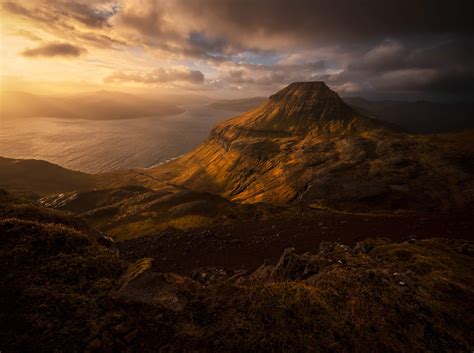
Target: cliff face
x,y
306,145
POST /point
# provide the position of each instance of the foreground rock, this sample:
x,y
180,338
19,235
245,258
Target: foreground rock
x,y
141,285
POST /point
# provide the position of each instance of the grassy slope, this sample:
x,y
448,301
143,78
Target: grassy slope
x,y
33,178
59,293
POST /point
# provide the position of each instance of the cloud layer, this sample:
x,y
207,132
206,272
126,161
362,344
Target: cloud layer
x,y
54,49
409,49
158,76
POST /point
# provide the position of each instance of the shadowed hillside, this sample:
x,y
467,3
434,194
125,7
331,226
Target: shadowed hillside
x,y
64,288
34,178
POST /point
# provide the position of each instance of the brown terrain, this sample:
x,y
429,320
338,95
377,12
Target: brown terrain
x,y
301,225
244,246
66,289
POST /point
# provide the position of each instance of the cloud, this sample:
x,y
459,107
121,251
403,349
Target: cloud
x,y
269,24
45,10
85,21
360,47
26,34
159,76
54,49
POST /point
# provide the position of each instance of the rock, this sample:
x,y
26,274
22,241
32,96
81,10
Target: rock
x,y
142,285
208,275
104,239
238,274
325,247
362,248
292,266
262,273
95,345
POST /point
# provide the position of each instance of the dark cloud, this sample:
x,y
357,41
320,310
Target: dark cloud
x,y
54,49
84,13
43,11
83,21
159,76
414,68
401,47
329,20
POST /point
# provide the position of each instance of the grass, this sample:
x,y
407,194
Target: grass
x,y
58,293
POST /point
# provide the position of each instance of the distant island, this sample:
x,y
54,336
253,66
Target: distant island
x,y
101,105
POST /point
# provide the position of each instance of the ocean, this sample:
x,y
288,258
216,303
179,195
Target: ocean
x,y
95,146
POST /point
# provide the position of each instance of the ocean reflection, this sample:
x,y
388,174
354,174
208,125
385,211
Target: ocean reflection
x,y
105,145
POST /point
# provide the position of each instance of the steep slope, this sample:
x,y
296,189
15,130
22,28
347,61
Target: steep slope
x,y
306,145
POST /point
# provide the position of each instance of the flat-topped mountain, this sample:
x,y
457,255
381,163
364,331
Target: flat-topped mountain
x,y
298,109
306,145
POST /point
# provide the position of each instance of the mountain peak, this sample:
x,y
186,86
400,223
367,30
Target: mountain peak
x,y
302,90
307,103
297,109
307,95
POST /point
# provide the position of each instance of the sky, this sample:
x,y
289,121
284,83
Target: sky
x,y
403,50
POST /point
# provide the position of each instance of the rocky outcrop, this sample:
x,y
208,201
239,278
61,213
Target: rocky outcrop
x,y
141,285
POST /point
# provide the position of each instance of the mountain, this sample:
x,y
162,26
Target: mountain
x,y
302,157
101,105
419,117
302,225
305,145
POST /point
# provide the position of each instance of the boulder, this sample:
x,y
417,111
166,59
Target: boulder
x,y
141,285
291,266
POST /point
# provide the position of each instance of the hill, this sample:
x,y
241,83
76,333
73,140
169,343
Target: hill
x,y
35,178
64,288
